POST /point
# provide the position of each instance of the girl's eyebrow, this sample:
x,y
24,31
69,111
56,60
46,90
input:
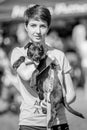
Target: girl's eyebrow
x,y
32,23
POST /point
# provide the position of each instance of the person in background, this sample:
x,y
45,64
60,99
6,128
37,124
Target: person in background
x,y
21,35
79,37
53,40
7,81
4,68
34,110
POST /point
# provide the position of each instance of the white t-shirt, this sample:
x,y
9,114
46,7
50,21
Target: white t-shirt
x,y
31,113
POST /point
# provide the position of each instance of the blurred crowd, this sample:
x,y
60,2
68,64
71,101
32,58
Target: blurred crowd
x,y
74,46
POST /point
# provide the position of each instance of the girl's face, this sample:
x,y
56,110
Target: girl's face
x,y
37,30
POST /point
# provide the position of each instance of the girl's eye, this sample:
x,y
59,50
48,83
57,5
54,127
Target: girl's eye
x,y
33,25
43,26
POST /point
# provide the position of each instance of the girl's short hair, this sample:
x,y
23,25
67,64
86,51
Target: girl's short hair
x,y
37,12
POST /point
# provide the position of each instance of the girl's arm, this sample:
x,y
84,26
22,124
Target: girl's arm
x,y
70,91
26,69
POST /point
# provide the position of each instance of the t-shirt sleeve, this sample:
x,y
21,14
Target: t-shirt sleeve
x,y
66,65
62,59
15,55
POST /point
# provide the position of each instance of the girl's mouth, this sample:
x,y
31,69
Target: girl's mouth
x,y
38,38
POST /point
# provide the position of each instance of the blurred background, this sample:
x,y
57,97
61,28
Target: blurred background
x,y
68,32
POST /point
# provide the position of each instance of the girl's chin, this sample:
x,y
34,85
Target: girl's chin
x,y
37,41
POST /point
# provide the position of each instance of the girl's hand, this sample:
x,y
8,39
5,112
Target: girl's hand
x,y
27,61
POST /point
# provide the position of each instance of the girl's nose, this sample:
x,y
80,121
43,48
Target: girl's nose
x,y
38,30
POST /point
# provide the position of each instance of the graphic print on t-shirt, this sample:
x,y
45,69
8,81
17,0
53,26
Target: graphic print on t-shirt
x,y
50,87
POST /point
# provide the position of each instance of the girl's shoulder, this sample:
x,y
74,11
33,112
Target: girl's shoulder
x,y
16,53
58,54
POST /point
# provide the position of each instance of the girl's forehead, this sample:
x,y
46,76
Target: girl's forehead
x,y
34,20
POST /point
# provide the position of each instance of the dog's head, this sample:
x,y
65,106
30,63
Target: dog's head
x,y
35,52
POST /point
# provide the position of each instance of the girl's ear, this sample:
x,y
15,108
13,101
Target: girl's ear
x,y
25,27
48,30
